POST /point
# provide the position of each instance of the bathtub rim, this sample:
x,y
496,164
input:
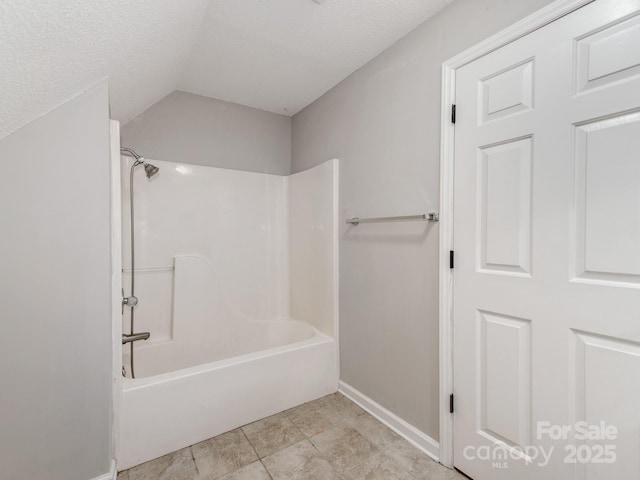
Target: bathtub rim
x,y
131,384
277,321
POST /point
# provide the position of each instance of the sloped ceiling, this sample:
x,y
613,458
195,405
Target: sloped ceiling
x,y
277,55
283,54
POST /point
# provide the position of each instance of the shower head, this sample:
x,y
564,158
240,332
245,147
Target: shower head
x,y
150,169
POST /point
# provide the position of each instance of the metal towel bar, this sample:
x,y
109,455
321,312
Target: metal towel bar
x,y
429,217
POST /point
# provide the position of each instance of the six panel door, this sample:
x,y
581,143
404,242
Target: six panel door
x,y
546,315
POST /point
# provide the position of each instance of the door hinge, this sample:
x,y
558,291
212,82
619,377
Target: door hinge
x,y
451,403
451,258
453,113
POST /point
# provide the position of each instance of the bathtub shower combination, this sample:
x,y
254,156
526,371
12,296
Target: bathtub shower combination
x,y
235,273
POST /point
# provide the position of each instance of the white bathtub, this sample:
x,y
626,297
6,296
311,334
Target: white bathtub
x,y
167,412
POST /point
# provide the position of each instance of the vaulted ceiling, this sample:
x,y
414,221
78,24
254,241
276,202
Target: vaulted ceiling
x,y
277,55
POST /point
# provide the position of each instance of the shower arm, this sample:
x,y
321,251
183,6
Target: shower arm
x,y
131,153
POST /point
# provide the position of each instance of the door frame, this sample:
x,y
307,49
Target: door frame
x,y
542,17
116,287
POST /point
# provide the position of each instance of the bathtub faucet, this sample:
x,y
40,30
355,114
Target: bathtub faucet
x,y
134,337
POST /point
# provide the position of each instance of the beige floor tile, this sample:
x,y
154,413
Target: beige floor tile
x,y
378,467
253,471
342,405
175,466
314,417
223,454
300,461
343,446
413,460
272,434
342,438
374,431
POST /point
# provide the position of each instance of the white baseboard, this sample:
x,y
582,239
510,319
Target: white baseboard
x,y
111,475
420,440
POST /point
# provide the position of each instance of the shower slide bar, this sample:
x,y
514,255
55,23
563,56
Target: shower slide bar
x,y
428,217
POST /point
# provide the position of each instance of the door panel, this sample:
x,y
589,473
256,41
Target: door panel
x,y
595,357
546,314
507,92
504,199
505,386
607,171
604,56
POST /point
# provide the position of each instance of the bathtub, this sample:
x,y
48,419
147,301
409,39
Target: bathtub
x,y
238,287
163,413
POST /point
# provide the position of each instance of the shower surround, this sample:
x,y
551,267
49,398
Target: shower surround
x,y
236,273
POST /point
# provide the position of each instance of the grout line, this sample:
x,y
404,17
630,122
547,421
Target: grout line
x,y
251,445
265,468
324,457
376,448
194,459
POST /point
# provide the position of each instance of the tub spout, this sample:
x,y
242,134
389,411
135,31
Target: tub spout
x,y
134,337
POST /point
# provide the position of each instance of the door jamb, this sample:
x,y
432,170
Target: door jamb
x,y
533,22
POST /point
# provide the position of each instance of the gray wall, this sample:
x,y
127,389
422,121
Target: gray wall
x,y
383,123
55,291
188,128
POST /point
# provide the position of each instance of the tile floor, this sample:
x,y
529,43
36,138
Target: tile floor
x,y
329,438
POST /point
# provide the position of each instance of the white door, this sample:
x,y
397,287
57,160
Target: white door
x,y
546,315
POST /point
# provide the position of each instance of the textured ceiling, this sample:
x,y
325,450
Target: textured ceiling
x,y
269,54
50,50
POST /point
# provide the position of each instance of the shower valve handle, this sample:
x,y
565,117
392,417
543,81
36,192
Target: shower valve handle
x,y
130,301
